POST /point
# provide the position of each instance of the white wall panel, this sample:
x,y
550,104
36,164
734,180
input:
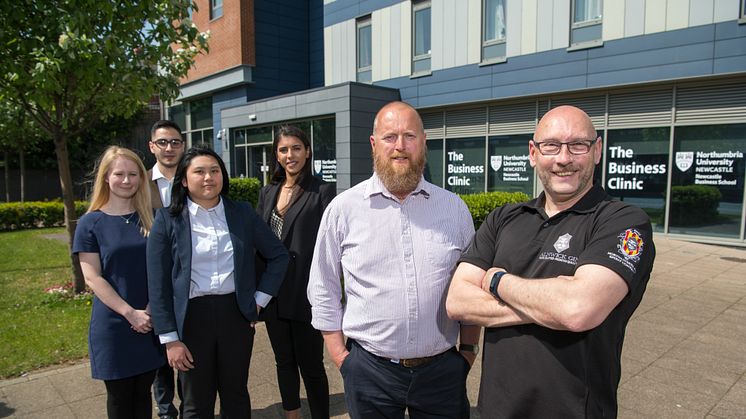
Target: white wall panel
x,y
528,27
513,13
677,14
613,20
406,37
461,9
442,28
655,16
378,48
561,24
474,32
328,51
349,51
725,10
700,12
544,23
395,41
337,53
634,17
385,43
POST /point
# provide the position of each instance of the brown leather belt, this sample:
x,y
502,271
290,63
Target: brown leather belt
x,y
416,362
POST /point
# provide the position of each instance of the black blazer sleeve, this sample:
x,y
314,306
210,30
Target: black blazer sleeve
x,y
159,263
272,252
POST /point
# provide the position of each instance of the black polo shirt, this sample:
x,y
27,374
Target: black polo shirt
x,y
533,371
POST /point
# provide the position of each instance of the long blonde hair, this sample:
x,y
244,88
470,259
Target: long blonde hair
x,y
100,195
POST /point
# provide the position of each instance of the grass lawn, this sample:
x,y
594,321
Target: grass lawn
x,y
38,328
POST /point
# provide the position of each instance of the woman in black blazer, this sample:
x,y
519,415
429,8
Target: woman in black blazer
x,y
205,294
292,204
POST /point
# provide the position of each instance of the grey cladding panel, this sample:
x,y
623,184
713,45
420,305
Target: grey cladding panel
x,y
433,122
512,118
466,122
640,109
707,104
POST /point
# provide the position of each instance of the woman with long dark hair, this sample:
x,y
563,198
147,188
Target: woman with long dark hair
x,y
292,205
110,242
205,296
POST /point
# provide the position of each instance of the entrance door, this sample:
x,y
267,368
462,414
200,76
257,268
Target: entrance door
x,y
258,160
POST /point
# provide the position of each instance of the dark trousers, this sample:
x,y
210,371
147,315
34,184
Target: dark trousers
x,y
220,340
164,390
129,398
297,345
378,388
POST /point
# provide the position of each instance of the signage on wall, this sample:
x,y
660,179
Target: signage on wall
x,y
514,167
327,169
710,167
626,174
458,172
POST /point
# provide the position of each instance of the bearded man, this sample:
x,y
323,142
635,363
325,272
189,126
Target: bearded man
x,y
395,239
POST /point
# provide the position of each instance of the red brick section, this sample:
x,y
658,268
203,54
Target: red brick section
x,y
231,38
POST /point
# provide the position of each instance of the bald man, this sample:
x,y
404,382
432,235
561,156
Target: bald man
x,y
395,239
555,281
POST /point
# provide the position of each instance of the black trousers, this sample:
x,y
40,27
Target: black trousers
x,y
129,398
220,340
164,390
298,346
377,388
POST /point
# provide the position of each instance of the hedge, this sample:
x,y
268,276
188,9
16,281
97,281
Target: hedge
x,y
481,204
51,214
694,205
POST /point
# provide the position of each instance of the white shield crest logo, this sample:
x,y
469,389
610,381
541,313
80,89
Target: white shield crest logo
x,y
684,160
562,243
317,166
496,162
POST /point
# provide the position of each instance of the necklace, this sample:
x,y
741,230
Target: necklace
x,y
127,220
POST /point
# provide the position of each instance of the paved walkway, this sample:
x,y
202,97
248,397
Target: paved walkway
x,y
684,356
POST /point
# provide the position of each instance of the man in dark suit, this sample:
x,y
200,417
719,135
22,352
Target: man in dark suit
x,y
167,146
204,293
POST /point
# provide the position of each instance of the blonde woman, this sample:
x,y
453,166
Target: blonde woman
x,y
110,240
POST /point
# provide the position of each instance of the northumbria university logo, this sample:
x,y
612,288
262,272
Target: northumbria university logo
x,y
496,162
317,166
630,245
562,243
684,160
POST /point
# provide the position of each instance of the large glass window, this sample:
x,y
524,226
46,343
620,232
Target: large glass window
x,y
509,167
465,165
434,167
324,140
637,169
364,52
586,21
493,30
216,9
177,114
421,37
708,180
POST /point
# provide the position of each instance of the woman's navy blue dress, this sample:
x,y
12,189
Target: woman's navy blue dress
x,y
117,351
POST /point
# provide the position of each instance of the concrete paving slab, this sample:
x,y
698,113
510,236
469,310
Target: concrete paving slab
x,y
34,395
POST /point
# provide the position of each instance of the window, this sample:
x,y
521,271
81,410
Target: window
x,y
421,38
216,9
364,53
586,22
743,12
493,30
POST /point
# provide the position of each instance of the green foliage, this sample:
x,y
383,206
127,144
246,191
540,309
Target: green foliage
x,y
16,215
694,204
481,204
41,322
246,189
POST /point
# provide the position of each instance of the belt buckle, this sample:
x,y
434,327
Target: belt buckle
x,y
414,362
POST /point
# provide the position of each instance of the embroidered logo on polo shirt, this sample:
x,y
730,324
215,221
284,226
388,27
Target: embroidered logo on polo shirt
x,y
562,243
630,248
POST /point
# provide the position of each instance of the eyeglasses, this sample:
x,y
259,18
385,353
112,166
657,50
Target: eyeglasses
x,y
552,148
163,143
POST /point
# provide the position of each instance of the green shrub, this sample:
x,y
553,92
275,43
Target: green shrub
x,y
481,204
246,189
17,215
694,204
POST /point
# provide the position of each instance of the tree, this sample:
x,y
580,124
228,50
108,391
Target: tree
x,y
72,63
18,134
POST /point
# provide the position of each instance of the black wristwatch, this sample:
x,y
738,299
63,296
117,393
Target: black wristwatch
x,y
495,282
469,348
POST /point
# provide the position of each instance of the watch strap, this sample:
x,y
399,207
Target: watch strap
x,y
495,283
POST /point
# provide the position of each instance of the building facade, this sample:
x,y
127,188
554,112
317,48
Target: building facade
x,y
663,81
